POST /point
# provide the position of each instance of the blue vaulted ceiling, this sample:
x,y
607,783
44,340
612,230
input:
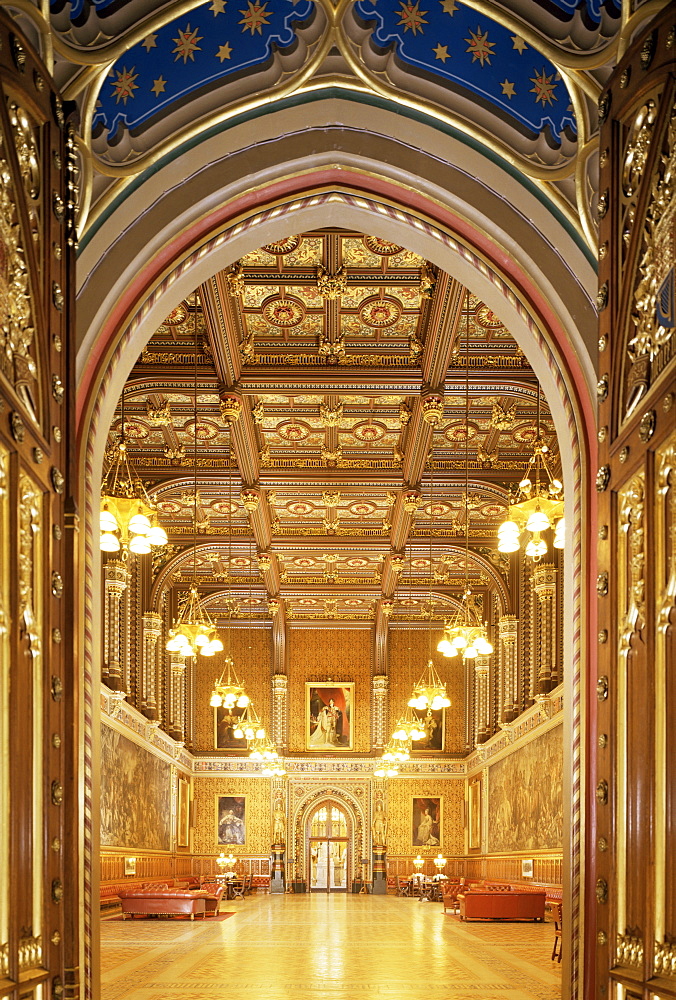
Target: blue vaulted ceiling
x,y
521,76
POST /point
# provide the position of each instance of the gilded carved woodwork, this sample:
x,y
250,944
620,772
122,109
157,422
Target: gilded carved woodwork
x,y
632,558
17,329
658,249
30,526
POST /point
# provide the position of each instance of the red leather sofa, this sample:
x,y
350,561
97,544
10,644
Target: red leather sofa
x,y
161,900
488,904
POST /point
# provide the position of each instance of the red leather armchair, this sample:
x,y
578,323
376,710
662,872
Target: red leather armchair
x,y
212,902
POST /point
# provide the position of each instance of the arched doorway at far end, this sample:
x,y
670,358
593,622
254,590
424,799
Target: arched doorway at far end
x,y
329,847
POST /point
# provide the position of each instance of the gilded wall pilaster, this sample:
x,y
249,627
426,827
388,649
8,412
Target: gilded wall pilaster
x,y
508,634
379,709
280,711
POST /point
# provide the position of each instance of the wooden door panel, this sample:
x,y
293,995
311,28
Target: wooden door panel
x,y
636,746
39,892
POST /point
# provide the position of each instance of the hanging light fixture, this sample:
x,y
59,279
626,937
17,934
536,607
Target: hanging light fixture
x,y
465,632
128,517
429,694
193,631
386,770
537,506
228,691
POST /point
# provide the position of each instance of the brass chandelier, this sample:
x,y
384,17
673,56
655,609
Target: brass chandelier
x,y
465,632
228,692
193,631
537,506
128,516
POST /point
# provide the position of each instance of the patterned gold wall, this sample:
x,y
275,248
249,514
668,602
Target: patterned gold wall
x,y
339,654
402,680
258,813
400,794
251,651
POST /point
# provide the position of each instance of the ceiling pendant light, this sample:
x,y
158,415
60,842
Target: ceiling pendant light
x,y
228,692
537,506
128,517
465,633
429,694
193,631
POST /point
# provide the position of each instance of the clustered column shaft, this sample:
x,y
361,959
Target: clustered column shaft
x,y
116,579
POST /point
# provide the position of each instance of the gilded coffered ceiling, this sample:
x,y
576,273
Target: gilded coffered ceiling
x,y
339,493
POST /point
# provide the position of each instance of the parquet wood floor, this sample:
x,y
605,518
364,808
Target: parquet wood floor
x,y
319,947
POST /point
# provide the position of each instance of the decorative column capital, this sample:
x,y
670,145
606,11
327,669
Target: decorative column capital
x,y
544,580
152,623
508,628
116,575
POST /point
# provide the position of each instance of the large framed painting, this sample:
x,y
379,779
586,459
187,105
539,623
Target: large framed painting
x,y
427,821
183,813
434,724
329,717
231,820
226,721
474,815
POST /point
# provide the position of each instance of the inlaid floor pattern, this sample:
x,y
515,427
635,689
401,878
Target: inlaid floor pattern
x,y
334,947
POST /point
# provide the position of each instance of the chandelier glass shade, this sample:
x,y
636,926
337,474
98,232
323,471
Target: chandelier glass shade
x,y
397,751
430,691
537,507
193,631
386,770
439,862
409,728
465,633
128,518
228,692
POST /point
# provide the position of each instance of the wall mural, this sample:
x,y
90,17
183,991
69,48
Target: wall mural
x,y
135,795
525,797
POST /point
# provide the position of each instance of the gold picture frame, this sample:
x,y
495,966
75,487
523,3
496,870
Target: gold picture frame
x,y
427,821
329,716
231,820
474,814
183,813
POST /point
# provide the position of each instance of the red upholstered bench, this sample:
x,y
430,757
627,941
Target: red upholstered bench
x,y
502,905
163,901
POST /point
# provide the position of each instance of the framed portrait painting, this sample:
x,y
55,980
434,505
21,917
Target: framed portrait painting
x,y
427,822
226,721
474,815
183,814
329,717
434,724
231,820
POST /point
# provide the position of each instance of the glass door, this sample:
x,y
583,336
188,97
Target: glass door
x,y
328,850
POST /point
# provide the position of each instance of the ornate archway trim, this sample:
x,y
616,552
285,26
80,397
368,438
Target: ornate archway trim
x,y
314,798
504,274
